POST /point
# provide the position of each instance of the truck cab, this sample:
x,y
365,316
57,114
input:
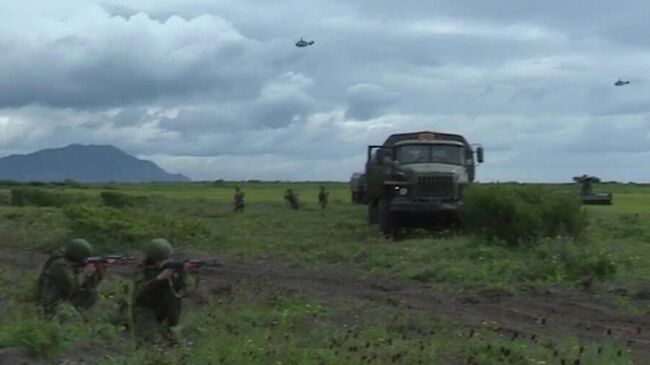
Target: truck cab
x,y
417,179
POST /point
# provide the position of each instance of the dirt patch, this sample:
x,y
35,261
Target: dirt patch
x,y
19,356
552,314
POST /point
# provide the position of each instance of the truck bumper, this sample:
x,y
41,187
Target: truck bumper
x,y
406,205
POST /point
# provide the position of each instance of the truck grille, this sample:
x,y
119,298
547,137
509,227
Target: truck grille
x,y
435,186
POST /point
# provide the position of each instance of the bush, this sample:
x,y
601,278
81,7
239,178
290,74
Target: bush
x,y
5,198
11,183
568,260
112,229
119,200
69,183
38,197
517,215
40,336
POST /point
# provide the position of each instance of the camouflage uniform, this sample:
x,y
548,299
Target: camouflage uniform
x,y
156,303
323,197
291,198
239,200
63,280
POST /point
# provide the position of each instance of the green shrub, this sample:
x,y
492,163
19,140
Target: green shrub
x,y
38,197
517,215
11,183
119,200
38,335
44,197
568,260
5,198
110,228
69,183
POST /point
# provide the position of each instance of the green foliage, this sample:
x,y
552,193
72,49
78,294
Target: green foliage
x,y
516,215
119,200
5,198
35,334
42,197
31,227
111,228
38,197
562,260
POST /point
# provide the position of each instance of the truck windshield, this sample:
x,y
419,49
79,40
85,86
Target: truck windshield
x,y
437,153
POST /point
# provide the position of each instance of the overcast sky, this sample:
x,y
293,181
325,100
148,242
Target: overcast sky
x,y
216,89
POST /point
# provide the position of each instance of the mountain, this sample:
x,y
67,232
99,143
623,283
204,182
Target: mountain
x,y
83,163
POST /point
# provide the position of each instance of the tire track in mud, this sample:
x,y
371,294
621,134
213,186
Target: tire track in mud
x,y
552,314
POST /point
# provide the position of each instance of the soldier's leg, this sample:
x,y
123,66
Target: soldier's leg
x,y
85,299
146,327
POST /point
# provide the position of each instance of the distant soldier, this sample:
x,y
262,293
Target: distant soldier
x,y
291,198
157,295
323,197
239,200
66,277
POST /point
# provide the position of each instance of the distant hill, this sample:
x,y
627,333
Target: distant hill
x,y
83,163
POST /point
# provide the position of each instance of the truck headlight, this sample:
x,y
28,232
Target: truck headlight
x,y
403,191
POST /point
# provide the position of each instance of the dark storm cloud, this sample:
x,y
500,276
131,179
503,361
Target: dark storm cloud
x,y
609,135
205,87
367,101
129,60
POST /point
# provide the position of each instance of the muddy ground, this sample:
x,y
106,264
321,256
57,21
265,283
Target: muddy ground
x,y
530,314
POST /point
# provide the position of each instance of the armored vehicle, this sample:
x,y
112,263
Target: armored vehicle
x,y
358,188
417,179
587,195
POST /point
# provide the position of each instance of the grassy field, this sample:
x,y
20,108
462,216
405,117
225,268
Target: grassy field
x,y
266,326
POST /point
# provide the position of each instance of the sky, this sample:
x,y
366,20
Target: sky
x,y
216,89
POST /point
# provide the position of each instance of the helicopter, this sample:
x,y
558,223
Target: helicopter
x,y
303,43
621,82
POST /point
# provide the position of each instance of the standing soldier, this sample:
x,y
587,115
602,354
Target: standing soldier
x,y
323,196
239,200
158,293
66,277
291,198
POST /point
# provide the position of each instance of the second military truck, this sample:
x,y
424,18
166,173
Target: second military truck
x,y
417,179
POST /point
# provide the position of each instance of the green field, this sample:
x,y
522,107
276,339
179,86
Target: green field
x,y
324,287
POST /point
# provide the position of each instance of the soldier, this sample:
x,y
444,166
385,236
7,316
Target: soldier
x,y
239,200
323,197
291,198
67,278
157,294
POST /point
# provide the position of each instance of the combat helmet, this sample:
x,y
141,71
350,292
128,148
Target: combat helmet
x,y
77,249
158,249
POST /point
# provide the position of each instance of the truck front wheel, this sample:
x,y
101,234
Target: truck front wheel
x,y
372,212
388,223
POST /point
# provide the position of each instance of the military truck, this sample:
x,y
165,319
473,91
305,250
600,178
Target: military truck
x,y
358,188
417,179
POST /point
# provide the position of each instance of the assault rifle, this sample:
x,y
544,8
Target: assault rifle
x,y
109,259
181,274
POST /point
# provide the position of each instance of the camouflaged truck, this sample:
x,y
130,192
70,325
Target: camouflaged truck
x,y
417,180
358,188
